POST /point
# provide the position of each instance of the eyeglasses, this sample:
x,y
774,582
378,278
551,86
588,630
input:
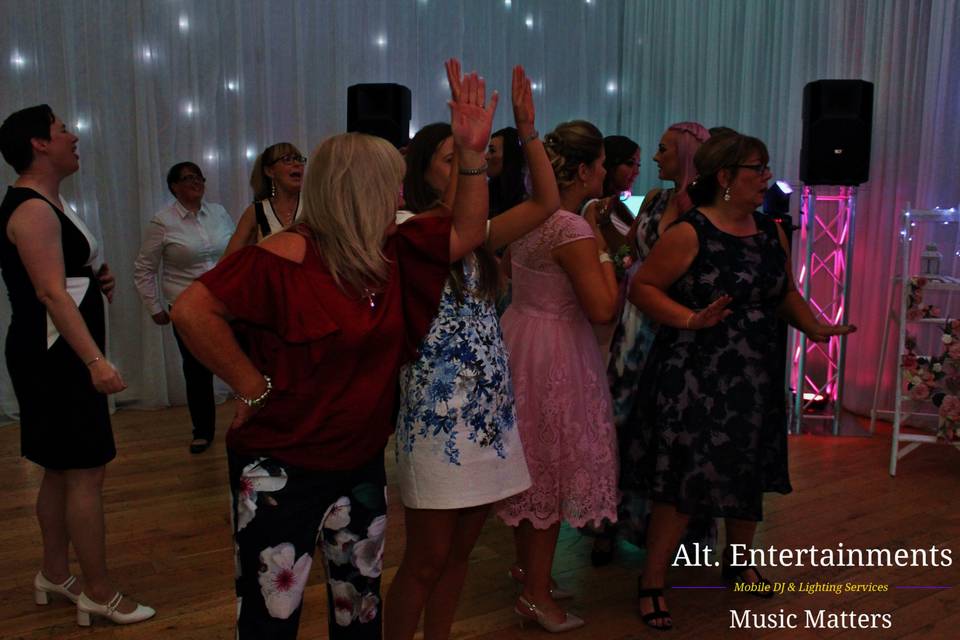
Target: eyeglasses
x,y
193,178
759,168
291,158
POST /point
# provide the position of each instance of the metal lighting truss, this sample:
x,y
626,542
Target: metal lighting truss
x,y
826,234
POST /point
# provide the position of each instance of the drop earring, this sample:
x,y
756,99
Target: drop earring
x,y
273,190
726,194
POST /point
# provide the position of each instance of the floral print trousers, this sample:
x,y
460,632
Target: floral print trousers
x,y
280,514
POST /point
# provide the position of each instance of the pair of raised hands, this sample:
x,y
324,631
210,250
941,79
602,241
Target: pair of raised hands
x,y
471,115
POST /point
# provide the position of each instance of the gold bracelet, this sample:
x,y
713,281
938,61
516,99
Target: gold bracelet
x,y
693,314
92,361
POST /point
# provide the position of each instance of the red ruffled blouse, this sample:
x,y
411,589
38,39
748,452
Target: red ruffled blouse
x,y
333,357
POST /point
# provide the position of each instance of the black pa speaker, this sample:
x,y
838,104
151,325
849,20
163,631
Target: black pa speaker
x,y
380,109
837,126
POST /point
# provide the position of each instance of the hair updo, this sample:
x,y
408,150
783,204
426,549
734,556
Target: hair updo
x,y
569,145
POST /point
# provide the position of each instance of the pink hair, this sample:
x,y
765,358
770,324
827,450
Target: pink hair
x,y
692,135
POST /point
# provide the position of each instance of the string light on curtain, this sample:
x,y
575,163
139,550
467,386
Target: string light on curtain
x,y
507,3
17,61
413,129
536,86
189,109
611,87
147,54
529,22
211,155
250,153
184,23
381,41
81,124
232,85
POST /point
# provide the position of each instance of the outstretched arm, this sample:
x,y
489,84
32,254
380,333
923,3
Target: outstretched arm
x,y
520,220
471,118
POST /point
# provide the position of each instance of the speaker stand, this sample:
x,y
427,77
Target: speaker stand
x,y
826,236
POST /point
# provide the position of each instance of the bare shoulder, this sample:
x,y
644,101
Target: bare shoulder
x,y
286,244
681,235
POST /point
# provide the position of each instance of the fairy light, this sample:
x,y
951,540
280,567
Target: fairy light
x,y
17,61
184,23
529,22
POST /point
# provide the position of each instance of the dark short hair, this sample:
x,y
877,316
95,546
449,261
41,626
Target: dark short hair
x,y
19,129
174,174
508,189
418,195
717,153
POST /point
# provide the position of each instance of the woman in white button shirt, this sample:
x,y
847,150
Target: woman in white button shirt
x,y
183,241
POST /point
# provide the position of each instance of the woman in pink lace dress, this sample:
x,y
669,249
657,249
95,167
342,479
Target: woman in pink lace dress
x,y
563,279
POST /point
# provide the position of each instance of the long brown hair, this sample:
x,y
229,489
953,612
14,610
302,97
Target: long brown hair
x,y
420,196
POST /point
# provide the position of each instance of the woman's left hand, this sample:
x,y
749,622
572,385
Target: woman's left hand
x,y
471,117
822,332
107,281
524,113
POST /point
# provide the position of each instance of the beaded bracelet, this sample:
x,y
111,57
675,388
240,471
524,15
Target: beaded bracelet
x,y
482,169
259,401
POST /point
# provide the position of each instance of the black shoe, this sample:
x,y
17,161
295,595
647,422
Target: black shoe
x,y
199,445
734,575
602,557
658,614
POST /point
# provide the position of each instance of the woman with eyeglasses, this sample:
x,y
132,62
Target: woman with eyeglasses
x,y
712,423
184,240
276,180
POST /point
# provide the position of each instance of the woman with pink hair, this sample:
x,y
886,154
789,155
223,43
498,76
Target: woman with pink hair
x,y
634,333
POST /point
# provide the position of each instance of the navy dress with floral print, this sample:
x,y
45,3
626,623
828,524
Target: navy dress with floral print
x,y
712,427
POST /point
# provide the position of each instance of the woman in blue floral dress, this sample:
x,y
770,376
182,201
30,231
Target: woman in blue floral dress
x,y
458,448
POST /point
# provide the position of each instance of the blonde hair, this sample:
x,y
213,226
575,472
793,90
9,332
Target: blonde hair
x,y
349,200
260,182
570,145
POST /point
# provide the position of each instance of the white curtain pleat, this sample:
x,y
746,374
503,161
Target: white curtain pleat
x,y
215,81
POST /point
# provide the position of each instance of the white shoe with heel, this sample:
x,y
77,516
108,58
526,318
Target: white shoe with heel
x,y
87,609
42,588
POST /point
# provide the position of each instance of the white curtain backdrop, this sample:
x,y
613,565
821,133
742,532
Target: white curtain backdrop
x,y
146,83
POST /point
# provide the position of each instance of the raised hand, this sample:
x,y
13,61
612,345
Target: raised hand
x,y
823,332
711,315
471,117
522,97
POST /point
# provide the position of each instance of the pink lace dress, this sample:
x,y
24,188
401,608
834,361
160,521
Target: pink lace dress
x,y
563,401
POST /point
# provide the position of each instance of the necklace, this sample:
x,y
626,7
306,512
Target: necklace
x,y
286,218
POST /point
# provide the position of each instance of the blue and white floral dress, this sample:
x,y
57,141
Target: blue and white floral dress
x,y
457,439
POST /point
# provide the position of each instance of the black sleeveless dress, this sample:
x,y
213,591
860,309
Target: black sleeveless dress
x,y
64,421
711,427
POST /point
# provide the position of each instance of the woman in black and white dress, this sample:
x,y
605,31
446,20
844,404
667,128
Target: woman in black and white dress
x,y
55,356
276,181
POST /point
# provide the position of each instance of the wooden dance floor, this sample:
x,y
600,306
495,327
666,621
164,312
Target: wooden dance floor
x,y
168,541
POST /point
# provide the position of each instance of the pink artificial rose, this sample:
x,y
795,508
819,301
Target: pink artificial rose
x,y
950,408
921,282
920,392
927,376
954,350
914,314
934,312
954,326
627,262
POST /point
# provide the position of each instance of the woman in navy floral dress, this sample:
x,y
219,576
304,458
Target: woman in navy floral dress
x,y
713,420
458,447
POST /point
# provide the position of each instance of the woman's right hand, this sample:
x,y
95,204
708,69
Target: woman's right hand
x,y
471,117
105,377
711,315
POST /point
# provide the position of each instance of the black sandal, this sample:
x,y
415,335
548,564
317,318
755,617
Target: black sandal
x,y
658,614
734,575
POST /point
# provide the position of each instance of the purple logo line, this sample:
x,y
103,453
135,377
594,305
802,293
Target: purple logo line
x,y
923,587
698,587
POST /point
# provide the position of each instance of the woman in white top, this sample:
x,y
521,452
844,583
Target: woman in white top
x,y
183,241
276,180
